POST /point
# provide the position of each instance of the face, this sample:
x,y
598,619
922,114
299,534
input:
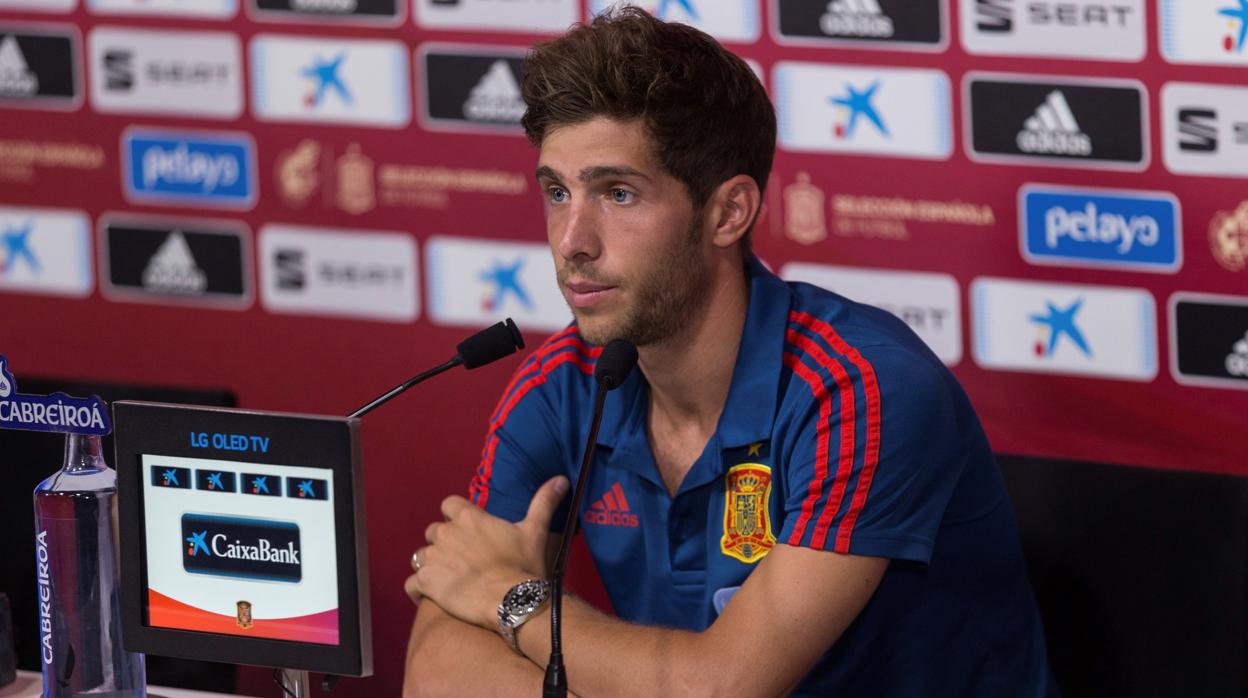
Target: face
x,y
629,250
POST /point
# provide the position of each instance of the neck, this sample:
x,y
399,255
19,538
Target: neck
x,y
689,374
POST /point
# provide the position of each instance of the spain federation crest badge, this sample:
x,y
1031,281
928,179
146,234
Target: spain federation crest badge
x,y
747,519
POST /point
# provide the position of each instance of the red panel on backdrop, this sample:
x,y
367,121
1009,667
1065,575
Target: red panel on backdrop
x,y
407,167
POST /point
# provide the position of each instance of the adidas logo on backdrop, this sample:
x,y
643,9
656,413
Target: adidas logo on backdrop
x,y
1053,130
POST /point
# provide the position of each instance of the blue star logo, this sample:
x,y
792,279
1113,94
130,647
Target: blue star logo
x,y
196,543
1061,323
171,478
305,489
325,74
16,243
214,481
260,484
859,104
665,7
1237,13
506,280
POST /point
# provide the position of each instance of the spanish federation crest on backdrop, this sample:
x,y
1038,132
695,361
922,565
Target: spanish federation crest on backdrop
x,y
57,412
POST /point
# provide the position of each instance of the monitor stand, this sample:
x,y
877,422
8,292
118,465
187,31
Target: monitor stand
x,y
295,684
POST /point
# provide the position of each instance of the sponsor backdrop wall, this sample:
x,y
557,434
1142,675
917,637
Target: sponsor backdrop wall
x,y
307,201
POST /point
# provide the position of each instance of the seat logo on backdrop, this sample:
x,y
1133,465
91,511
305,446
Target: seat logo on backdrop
x,y
1018,119
350,81
1067,226
1209,340
475,282
1098,331
471,90
197,74
1210,32
1205,129
885,24
189,168
45,251
38,69
1096,29
855,110
727,20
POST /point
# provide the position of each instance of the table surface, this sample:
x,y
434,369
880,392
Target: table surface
x,y
29,684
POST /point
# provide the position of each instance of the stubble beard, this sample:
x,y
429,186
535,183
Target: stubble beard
x,y
672,291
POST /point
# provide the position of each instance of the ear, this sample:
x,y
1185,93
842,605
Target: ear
x,y
733,207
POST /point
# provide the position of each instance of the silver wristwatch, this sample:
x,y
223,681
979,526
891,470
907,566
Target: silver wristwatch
x,y
519,604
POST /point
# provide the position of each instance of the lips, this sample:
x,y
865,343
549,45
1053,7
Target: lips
x,y
585,294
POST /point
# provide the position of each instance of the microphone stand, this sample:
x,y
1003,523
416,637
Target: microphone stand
x,y
556,682
418,378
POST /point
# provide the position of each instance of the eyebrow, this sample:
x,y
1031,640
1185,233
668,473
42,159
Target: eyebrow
x,y
590,174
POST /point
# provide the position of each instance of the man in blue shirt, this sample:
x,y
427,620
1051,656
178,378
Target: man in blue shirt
x,y
792,494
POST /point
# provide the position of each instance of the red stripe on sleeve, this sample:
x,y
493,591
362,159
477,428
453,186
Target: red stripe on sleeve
x,y
845,460
874,413
820,392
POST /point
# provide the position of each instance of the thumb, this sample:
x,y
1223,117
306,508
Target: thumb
x,y
545,501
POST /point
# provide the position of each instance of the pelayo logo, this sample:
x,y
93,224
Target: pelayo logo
x,y
57,412
196,169
228,546
1067,226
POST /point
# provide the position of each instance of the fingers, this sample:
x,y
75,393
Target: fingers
x,y
454,506
431,532
545,501
420,558
412,587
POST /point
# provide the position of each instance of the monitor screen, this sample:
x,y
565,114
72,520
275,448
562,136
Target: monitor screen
x,y
240,548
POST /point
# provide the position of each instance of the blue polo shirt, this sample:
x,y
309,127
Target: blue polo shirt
x,y
841,432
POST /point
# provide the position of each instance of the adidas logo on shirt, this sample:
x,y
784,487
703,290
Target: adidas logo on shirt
x,y
611,510
1053,130
856,18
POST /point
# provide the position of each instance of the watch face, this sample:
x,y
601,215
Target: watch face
x,y
525,597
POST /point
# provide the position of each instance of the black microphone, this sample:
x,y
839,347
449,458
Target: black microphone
x,y
614,364
492,343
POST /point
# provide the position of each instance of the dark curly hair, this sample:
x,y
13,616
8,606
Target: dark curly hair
x,y
705,111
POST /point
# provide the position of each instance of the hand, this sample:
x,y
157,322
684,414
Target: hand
x,y
473,558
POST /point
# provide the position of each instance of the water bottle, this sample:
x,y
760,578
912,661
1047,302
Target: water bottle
x,y
76,566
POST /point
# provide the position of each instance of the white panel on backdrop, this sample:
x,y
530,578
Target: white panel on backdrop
x,y
166,72
548,16
217,9
40,5
346,273
727,20
474,282
1069,29
1206,129
45,250
1204,31
1039,327
336,80
863,110
931,304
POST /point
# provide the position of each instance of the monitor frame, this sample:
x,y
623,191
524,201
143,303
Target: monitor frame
x,y
331,443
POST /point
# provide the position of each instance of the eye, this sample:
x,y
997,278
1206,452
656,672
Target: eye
x,y
558,195
621,196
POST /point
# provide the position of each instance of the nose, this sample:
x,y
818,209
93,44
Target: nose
x,y
574,231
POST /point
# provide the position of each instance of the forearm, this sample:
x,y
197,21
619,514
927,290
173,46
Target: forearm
x,y
605,656
447,657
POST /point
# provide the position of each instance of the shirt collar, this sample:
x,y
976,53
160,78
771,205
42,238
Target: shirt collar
x,y
750,409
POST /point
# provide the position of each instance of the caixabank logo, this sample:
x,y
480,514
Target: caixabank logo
x,y
192,262
206,9
196,74
191,168
1113,30
887,24
45,251
475,282
1209,340
732,21
243,548
466,88
1068,122
345,81
361,11
1101,228
863,110
39,67
1205,129
1210,32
